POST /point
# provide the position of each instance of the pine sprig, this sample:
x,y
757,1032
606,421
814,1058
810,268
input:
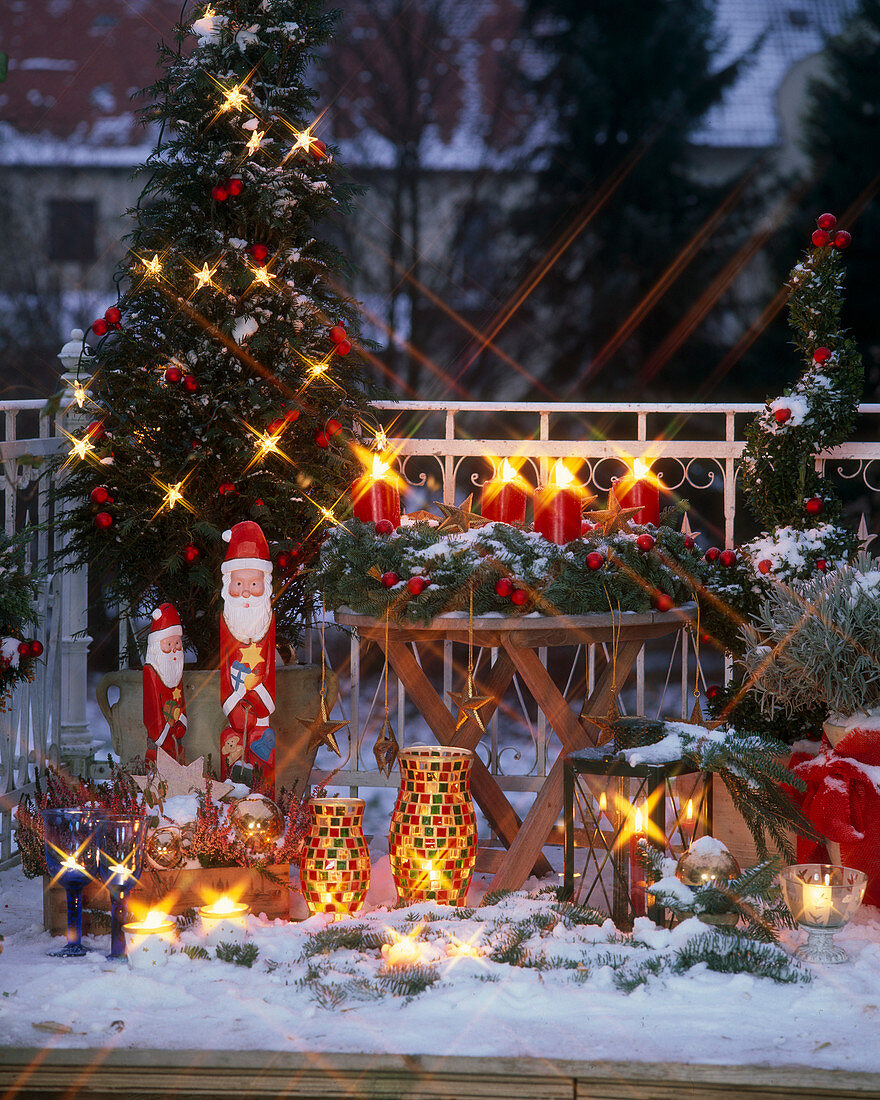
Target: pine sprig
x,y
241,954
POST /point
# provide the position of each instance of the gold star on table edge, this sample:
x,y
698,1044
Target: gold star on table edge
x,y
181,779
323,731
460,518
386,748
613,518
469,705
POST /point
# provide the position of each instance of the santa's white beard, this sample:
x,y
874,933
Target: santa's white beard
x,y
169,666
247,624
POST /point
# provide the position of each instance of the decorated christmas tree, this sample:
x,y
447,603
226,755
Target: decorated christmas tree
x,y
225,383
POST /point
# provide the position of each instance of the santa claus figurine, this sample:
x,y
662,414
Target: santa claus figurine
x,y
164,705
247,658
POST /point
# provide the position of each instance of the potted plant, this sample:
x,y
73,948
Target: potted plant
x,y
818,641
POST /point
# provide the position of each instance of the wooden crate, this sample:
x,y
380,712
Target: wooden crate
x,y
176,890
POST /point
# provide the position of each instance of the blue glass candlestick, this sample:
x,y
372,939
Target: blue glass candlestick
x,y
121,842
70,857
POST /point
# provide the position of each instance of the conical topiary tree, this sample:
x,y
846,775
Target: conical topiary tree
x,y
225,382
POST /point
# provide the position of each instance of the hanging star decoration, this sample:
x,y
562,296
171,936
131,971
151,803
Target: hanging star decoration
x,y
613,518
181,779
605,725
460,518
469,704
386,748
322,730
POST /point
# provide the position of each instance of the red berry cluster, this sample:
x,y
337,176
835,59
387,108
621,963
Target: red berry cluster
x,y
174,376
260,254
227,488
220,192
33,648
325,434
101,496
726,557
339,338
287,559
112,319
825,235
507,590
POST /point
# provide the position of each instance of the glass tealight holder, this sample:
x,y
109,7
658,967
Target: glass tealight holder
x,y
822,899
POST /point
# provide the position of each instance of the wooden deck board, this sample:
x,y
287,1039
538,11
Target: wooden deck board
x,y
29,1073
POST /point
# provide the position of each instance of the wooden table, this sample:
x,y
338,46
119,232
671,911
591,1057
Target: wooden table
x,y
517,639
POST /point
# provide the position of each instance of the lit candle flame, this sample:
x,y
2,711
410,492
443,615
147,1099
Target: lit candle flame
x,y
155,919
121,870
380,467
508,472
562,476
221,907
638,822
689,813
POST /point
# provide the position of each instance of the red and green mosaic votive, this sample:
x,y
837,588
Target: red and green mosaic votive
x,y
335,865
433,837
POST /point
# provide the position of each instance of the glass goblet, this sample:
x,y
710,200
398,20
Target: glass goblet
x,y
120,850
70,857
822,898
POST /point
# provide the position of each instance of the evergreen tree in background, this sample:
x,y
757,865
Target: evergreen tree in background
x,y
224,386
626,85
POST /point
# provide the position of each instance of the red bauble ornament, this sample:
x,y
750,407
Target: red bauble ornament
x,y
713,554
337,334
99,327
235,186
586,527
663,602
504,588
343,347
417,585
820,238
191,553
276,426
113,315
332,427
284,560
291,416
713,691
103,520
322,439
765,565
36,648
24,649
826,221
815,506
389,579
821,564
225,488
190,383
645,542
384,527
259,252
318,149
822,355
173,375
99,495
728,557
219,194
95,430
689,542
781,415
842,239
519,596
595,560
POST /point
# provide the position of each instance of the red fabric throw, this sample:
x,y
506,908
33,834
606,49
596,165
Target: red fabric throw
x,y
842,800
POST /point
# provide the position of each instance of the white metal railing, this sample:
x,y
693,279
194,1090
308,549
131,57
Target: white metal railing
x,y
443,456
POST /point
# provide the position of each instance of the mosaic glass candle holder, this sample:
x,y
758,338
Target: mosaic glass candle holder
x,y
70,857
121,839
433,837
822,898
335,865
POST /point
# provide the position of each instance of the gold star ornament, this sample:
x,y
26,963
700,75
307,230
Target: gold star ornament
x,y
460,518
180,779
469,704
322,730
613,518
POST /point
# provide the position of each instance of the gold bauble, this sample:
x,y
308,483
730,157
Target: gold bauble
x,y
164,849
707,860
257,821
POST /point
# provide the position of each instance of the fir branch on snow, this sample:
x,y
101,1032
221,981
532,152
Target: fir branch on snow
x,y
241,954
736,954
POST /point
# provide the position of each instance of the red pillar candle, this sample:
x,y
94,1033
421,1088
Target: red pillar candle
x,y
640,488
375,495
505,496
558,507
637,892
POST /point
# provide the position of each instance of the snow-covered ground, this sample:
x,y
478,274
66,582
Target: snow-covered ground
x,y
477,1007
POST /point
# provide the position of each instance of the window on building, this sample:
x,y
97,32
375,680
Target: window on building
x,y
72,226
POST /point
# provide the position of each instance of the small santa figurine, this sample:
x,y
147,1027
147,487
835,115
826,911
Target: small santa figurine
x,y
164,705
247,658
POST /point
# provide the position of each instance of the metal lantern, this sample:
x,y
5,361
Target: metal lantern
x,y
433,837
335,865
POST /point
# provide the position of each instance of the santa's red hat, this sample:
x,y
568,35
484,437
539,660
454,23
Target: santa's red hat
x,y
248,548
166,622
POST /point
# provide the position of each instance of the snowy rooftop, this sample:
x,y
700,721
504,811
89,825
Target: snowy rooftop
x,y
74,65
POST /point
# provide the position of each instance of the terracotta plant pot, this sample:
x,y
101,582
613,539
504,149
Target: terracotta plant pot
x,y
296,696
